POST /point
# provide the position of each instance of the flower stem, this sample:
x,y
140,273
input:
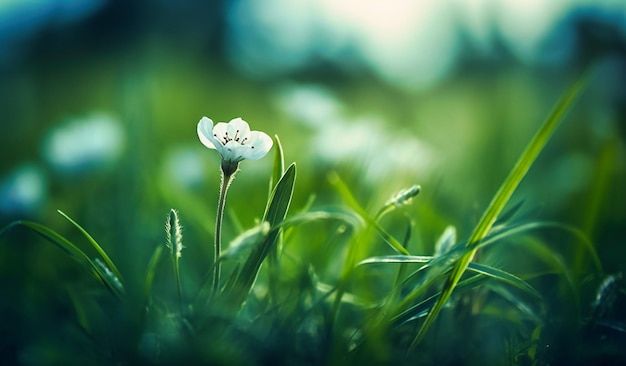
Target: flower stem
x,y
227,178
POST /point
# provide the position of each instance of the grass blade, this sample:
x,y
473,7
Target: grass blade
x,y
343,189
96,246
482,269
505,277
274,215
69,248
500,199
279,163
281,197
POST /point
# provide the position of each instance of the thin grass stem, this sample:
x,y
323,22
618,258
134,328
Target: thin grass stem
x,y
217,267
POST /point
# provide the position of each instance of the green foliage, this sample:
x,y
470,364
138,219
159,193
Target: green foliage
x,y
339,284
500,200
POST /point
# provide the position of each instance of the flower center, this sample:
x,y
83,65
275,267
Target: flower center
x,y
226,139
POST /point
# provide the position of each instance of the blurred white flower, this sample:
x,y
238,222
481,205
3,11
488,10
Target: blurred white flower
x,y
184,167
234,141
365,140
85,144
310,105
23,191
336,136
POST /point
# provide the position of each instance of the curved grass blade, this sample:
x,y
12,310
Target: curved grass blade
x,y
435,267
274,215
69,248
500,199
281,197
505,277
306,217
421,309
96,246
246,241
519,228
522,306
343,189
397,259
482,269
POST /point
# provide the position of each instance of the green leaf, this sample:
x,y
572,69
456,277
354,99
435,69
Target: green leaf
x,y
421,309
397,259
505,277
511,230
96,246
500,199
311,216
274,215
281,197
482,269
69,248
279,163
246,241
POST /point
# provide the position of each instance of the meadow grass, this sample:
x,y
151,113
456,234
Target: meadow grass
x,y
261,302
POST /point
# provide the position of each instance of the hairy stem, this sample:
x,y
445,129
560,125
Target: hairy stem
x,y
226,180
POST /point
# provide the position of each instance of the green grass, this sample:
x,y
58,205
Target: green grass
x,y
342,284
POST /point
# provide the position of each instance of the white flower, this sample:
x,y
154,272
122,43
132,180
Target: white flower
x,y
234,141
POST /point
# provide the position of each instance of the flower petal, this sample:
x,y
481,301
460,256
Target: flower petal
x,y
205,132
260,144
219,132
238,129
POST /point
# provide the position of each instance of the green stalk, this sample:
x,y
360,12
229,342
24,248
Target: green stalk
x,y
178,286
227,178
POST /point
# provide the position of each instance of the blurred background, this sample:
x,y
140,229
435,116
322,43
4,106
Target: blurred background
x,y
99,101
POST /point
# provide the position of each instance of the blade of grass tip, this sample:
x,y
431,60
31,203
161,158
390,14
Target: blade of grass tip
x,y
501,198
96,246
281,197
279,163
